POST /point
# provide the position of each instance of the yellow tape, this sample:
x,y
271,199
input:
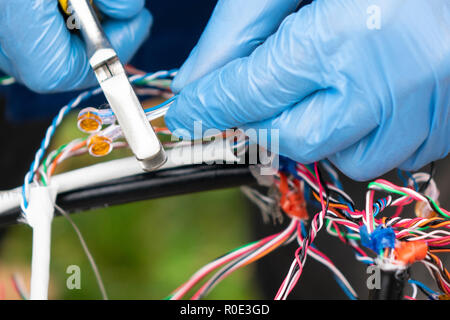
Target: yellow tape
x,y
64,5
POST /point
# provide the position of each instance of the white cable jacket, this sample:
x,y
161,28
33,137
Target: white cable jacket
x,y
219,151
39,216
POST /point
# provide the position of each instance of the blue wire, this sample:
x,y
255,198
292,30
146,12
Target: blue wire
x,y
42,146
340,283
345,289
377,210
364,261
335,181
149,74
424,287
405,181
416,186
165,103
402,177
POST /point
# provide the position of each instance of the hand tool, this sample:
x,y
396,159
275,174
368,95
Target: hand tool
x,y
116,87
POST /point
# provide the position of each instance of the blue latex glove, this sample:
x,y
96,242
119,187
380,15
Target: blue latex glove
x,y
335,85
38,50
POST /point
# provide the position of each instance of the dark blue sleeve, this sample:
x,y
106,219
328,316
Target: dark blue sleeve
x,y
177,26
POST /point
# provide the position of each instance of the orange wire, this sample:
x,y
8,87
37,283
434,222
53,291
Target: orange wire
x,y
439,263
333,205
160,129
266,252
439,250
53,164
428,221
442,224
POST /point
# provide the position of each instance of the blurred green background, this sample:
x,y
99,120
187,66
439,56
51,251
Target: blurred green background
x,y
143,250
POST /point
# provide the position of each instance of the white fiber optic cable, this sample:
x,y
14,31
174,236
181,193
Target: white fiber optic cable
x,y
39,216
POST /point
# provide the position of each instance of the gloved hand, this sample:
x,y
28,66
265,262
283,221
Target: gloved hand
x,y
37,49
364,83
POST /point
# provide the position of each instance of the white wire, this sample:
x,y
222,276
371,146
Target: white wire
x,y
253,254
414,293
285,283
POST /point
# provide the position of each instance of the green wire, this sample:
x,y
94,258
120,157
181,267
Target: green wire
x,y
44,164
346,235
386,188
156,81
437,207
58,151
405,194
311,171
243,246
7,79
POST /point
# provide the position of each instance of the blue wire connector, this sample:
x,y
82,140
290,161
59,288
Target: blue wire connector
x,y
379,239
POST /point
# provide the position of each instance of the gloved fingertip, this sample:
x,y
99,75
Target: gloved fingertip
x,y
170,121
177,129
181,123
356,169
179,82
414,163
120,9
170,117
183,75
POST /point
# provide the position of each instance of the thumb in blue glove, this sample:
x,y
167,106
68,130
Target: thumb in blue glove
x,y
367,98
37,49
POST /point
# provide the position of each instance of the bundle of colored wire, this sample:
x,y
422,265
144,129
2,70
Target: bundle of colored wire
x,y
340,213
386,186
204,271
302,252
235,260
297,266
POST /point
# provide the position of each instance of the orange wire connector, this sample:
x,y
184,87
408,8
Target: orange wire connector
x,y
99,146
410,252
292,201
89,120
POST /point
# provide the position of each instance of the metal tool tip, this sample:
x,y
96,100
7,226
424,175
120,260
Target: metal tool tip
x,y
155,162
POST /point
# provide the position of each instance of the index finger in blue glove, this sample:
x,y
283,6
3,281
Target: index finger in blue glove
x,y
257,87
317,127
235,29
361,143
336,88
